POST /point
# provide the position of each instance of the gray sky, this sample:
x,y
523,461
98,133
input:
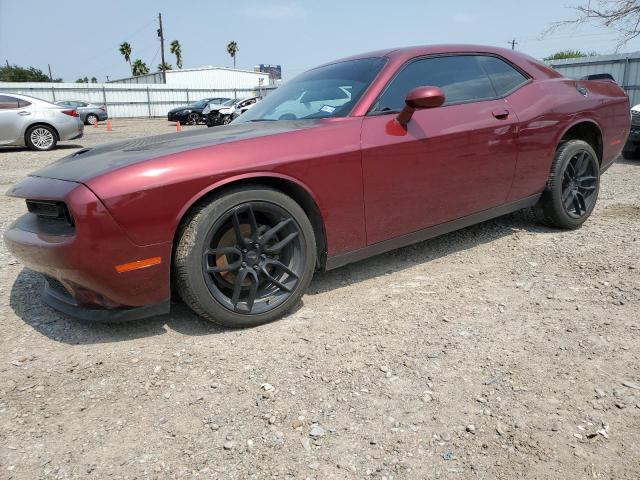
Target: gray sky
x,y
81,38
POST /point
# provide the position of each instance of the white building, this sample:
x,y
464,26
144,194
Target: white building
x,y
217,78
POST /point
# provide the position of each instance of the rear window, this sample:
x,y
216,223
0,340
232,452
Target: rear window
x,y
7,102
504,77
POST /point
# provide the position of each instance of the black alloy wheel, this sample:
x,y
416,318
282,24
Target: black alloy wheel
x,y
579,184
254,258
572,188
193,118
244,258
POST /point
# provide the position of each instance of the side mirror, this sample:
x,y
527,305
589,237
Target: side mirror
x,y
421,97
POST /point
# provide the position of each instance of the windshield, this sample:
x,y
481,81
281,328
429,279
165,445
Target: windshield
x,y
324,92
231,102
200,103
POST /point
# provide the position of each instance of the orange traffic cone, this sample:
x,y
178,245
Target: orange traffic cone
x,y
109,129
95,125
178,127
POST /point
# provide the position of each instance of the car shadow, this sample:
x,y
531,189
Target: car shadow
x,y
66,146
424,252
27,304
628,161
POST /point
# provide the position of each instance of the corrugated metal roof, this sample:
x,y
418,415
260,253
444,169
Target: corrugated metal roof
x,y
624,67
618,57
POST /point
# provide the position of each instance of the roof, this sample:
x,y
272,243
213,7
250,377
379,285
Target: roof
x,y
398,56
195,69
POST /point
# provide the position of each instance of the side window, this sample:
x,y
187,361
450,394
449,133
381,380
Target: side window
x,y
7,102
23,103
460,76
504,77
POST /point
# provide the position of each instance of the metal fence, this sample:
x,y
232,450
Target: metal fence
x,y
127,100
625,69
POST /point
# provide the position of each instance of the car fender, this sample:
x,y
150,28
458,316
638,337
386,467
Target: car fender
x,y
575,121
238,178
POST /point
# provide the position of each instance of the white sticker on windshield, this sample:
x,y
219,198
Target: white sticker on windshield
x,y
328,109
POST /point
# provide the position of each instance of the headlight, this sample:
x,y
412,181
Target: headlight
x,y
186,111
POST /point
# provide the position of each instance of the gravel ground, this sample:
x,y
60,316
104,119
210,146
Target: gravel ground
x,y
502,351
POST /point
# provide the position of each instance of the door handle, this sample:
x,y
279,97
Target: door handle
x,y
24,113
500,114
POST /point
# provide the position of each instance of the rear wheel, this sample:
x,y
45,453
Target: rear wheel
x,y
245,258
572,189
92,119
41,138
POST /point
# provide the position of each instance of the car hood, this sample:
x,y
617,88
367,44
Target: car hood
x,y
179,109
89,163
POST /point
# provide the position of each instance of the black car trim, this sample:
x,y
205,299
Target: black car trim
x,y
65,304
430,232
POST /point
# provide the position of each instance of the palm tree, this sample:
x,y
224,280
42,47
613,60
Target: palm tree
x,y
139,68
164,67
125,51
176,49
232,49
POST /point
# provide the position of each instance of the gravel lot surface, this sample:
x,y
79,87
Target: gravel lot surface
x,y
503,351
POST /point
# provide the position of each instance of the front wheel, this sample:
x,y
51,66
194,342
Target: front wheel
x,y
246,258
226,120
572,188
193,118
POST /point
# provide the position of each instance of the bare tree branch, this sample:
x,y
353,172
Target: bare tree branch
x,y
623,16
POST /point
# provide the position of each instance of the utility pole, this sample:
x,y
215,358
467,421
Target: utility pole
x,y
7,62
50,76
161,35
513,44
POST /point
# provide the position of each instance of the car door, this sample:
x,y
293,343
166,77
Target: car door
x,y
448,162
13,114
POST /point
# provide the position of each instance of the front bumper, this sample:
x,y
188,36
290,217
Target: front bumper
x,y
176,117
79,262
57,297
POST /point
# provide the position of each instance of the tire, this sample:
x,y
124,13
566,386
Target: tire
x,y
226,120
631,154
41,138
91,119
572,189
193,118
229,281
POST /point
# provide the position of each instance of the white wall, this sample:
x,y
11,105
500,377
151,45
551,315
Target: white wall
x,y
125,100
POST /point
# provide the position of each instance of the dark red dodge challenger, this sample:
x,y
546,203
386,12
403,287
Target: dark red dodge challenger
x,y
348,160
